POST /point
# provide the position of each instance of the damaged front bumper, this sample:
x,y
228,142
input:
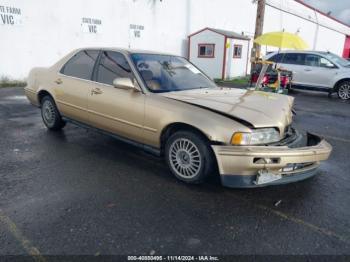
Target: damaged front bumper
x,y
256,166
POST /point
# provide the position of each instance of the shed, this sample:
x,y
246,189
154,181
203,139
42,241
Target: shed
x,y
219,53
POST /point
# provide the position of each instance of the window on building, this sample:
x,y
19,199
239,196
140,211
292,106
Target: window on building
x,y
206,50
112,65
237,51
81,64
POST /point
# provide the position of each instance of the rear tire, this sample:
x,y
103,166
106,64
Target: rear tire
x,y
189,157
50,115
343,90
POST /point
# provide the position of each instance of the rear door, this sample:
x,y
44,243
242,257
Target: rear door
x,y
290,61
308,69
293,62
73,85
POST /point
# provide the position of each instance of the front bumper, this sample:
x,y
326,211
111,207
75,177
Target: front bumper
x,y
241,166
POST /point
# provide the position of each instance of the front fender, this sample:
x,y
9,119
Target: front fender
x,y
161,112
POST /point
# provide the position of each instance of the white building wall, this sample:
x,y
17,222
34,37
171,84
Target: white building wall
x,y
46,30
320,32
232,15
289,23
211,66
237,67
50,29
328,40
306,13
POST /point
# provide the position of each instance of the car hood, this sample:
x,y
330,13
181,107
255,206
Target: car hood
x,y
259,109
344,70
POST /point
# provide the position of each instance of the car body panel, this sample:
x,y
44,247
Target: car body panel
x,y
117,110
236,159
235,162
310,76
260,109
161,112
322,78
71,96
142,116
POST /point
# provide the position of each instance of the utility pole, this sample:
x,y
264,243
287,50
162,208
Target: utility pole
x,y
259,26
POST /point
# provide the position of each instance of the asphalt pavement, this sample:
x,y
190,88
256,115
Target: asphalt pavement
x,y
81,192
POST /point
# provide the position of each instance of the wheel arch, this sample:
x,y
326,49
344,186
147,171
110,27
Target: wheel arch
x,y
41,94
180,126
336,85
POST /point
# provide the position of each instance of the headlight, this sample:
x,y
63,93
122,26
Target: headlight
x,y
256,137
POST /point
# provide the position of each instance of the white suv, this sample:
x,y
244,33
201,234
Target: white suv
x,y
321,71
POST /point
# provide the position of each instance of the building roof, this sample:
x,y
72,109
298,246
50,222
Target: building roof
x,y
229,34
321,12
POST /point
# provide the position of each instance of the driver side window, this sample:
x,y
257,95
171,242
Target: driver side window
x,y
318,61
326,63
112,65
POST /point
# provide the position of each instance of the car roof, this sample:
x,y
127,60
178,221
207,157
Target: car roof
x,y
125,50
299,52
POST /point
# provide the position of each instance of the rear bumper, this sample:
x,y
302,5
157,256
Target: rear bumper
x,y
32,96
239,166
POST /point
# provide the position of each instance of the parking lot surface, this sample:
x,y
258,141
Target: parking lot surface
x,y
81,192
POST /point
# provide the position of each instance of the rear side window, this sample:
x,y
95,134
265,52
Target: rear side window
x,y
276,58
81,64
312,60
293,59
112,65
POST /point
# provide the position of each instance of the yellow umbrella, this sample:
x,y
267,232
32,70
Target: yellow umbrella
x,y
282,40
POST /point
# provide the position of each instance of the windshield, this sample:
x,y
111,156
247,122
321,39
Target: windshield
x,y
165,73
337,59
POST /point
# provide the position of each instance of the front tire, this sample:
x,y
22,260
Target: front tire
x,y
50,115
343,90
189,157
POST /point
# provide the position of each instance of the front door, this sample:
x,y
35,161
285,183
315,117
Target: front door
x,y
309,69
120,111
73,84
317,71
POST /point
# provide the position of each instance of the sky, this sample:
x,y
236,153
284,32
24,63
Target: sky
x,y
340,8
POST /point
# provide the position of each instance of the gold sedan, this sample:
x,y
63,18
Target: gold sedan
x,y
166,105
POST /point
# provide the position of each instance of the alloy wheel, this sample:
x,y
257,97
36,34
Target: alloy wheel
x,y
344,91
185,158
49,113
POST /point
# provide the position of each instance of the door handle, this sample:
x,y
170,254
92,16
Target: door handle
x,y
96,91
58,81
307,69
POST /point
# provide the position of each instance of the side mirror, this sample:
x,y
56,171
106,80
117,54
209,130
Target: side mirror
x,y
331,66
125,83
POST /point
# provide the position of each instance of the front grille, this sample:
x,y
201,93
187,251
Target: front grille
x,y
294,167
